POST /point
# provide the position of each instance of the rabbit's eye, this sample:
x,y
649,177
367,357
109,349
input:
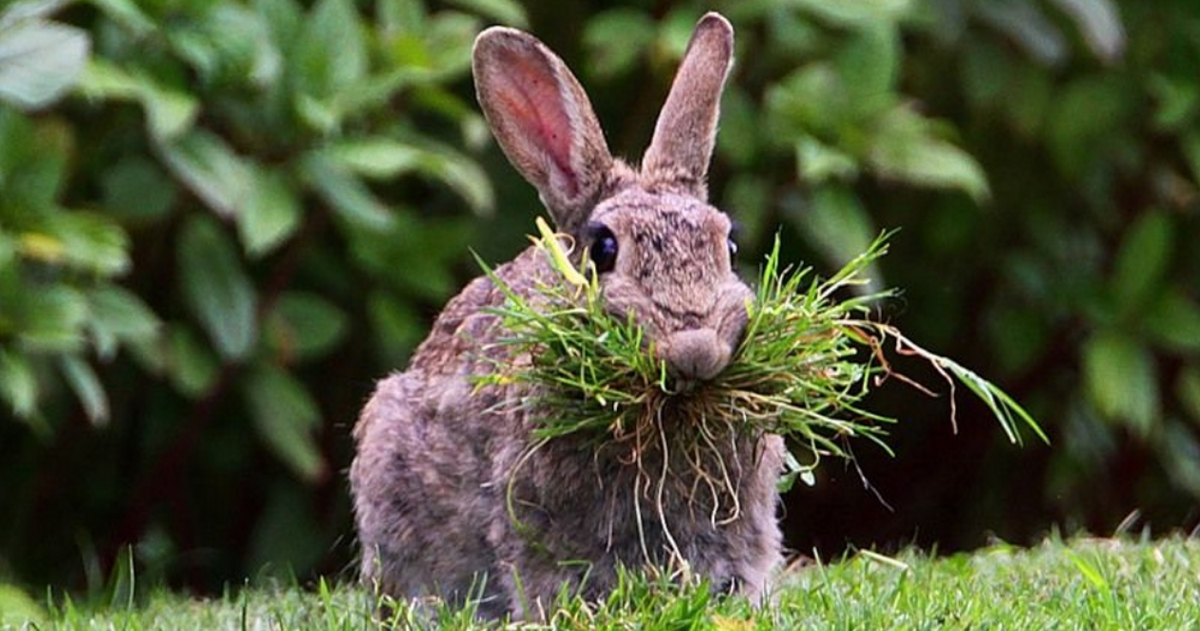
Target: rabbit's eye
x,y
731,242
604,249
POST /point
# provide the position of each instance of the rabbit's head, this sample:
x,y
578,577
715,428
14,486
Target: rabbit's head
x,y
662,252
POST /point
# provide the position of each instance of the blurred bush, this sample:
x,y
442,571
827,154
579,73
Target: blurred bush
x,y
237,214
221,221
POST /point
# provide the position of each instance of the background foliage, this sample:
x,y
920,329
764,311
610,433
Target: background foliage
x,y
220,222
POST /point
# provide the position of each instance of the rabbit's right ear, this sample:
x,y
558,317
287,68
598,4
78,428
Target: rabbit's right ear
x,y
686,130
543,121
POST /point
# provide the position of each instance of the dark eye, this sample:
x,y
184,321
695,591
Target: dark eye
x,y
731,242
603,250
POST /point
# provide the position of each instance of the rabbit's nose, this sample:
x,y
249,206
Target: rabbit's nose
x,y
696,353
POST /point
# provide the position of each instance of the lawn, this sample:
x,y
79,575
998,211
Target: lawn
x,y
1081,584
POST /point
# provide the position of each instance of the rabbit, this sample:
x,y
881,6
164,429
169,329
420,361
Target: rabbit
x,y
449,499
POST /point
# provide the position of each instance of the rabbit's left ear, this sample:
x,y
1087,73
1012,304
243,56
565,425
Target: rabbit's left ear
x,y
687,127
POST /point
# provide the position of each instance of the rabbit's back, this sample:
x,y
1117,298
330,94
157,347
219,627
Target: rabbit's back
x,y
427,439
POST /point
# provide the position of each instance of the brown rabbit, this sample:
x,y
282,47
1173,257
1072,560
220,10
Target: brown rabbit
x,y
450,499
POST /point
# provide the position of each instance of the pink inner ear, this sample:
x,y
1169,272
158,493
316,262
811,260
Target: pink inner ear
x,y
527,90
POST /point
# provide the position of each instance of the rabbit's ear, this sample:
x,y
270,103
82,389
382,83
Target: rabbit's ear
x,y
687,127
543,121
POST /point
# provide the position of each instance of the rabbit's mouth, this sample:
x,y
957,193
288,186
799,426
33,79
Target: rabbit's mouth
x,y
695,354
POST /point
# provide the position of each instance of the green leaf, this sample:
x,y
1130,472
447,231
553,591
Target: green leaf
x,y
1142,262
285,417
397,327
904,148
740,143
304,326
986,72
319,115
104,80
216,288
96,243
793,470
21,10
119,316
375,156
1173,322
271,214
284,20
1121,381
346,194
18,383
8,250
812,101
461,175
18,610
85,241
447,41
332,54
137,189
1087,118
1030,98
53,319
856,14
127,14
206,165
335,23
839,225
227,44
616,39
39,61
87,388
287,540
1025,333
33,160
674,32
169,112
1190,145
1175,100
190,366
399,17
868,65
414,256
1187,388
1028,27
1100,23
505,12
818,162
1180,454
753,199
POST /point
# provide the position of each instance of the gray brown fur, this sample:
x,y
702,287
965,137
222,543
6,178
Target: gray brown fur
x,y
440,463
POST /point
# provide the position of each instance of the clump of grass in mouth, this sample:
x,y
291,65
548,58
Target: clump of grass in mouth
x,y
801,371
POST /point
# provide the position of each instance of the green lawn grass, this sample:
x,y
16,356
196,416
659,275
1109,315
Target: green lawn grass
x,y
1081,584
